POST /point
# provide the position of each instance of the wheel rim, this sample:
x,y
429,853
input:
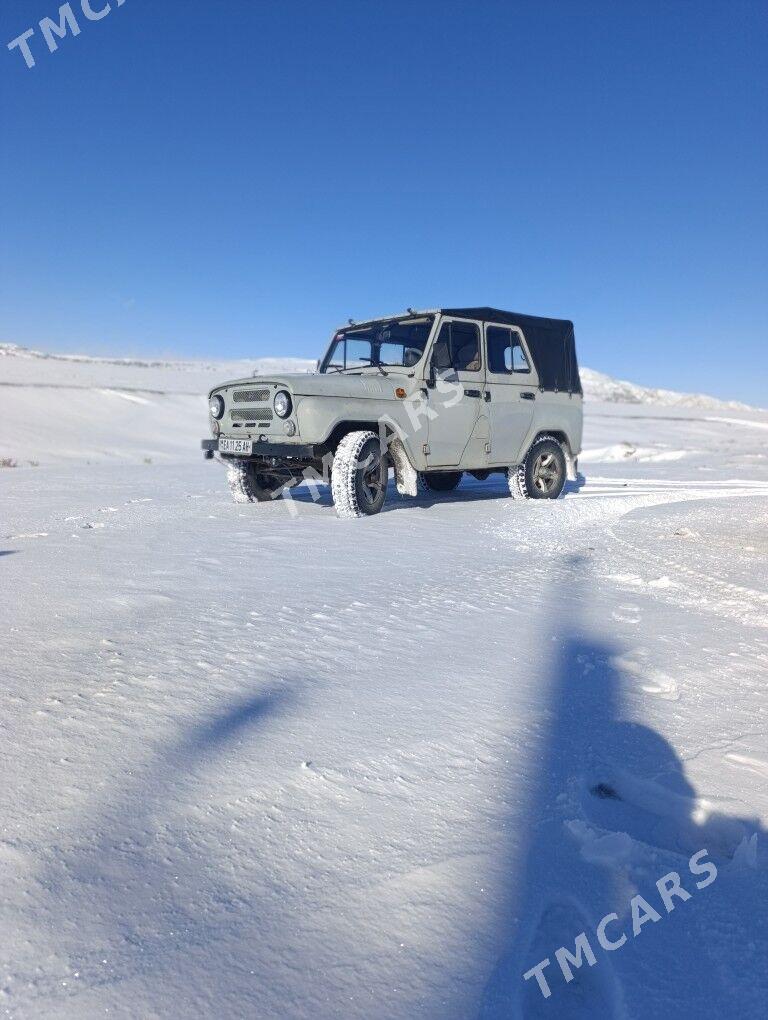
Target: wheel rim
x,y
546,473
372,476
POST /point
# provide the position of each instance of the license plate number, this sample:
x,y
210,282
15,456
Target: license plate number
x,y
242,446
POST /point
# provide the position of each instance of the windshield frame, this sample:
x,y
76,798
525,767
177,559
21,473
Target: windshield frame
x,y
342,333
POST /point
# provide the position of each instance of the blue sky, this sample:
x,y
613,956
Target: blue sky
x,y
235,178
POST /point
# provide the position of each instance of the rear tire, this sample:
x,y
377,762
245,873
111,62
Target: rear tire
x,y
247,485
441,481
542,474
359,475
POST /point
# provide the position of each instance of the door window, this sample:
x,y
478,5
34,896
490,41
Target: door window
x,y
505,352
457,347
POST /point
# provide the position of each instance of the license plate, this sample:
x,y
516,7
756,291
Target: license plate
x,y
241,446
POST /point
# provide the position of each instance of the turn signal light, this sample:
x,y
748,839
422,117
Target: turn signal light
x,y
400,392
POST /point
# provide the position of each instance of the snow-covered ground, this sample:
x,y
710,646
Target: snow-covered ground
x,y
72,407
261,762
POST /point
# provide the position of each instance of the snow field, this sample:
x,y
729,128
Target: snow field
x,y
266,764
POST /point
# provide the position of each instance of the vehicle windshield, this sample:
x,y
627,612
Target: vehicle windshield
x,y
398,343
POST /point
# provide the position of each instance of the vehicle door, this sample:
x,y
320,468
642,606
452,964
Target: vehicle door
x,y
455,387
511,385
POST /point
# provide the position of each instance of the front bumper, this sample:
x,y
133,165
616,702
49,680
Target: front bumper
x,y
263,450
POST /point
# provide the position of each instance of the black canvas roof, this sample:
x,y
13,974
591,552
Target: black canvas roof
x,y
551,342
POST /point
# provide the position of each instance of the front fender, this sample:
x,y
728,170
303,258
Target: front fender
x,y
319,418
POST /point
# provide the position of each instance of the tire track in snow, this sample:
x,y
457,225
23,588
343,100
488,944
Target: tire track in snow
x,y
734,595
738,601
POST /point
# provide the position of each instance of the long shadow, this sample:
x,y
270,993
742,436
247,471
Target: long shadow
x,y
209,736
469,490
609,812
140,908
8,552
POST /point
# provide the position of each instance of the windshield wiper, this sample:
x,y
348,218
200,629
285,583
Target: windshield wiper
x,y
357,368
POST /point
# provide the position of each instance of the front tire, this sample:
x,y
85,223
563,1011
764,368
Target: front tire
x,y
359,475
542,474
441,481
247,485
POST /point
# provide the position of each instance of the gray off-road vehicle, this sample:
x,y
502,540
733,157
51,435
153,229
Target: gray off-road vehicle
x,y
430,394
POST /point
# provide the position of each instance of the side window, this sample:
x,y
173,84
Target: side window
x,y
499,349
465,346
457,347
505,353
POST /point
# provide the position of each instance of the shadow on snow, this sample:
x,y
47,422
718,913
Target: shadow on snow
x,y
142,889
609,812
469,490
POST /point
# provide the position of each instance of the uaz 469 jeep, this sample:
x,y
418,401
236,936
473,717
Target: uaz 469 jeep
x,y
430,394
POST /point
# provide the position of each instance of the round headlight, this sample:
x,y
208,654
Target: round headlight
x,y
282,404
216,406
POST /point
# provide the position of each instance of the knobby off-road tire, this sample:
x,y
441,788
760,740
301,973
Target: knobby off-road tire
x,y
247,485
359,475
542,474
441,481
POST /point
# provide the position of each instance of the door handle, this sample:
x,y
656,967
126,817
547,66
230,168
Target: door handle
x,y
472,393
527,396
487,396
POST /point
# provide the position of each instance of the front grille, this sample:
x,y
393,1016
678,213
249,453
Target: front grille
x,y
251,414
250,396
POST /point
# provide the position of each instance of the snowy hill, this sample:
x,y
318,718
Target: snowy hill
x,y
77,407
23,367
598,386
